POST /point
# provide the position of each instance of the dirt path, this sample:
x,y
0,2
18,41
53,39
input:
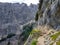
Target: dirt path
x,y
41,40
45,31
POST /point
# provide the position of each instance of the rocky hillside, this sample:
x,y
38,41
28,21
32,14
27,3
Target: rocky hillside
x,y
48,18
49,13
13,17
14,29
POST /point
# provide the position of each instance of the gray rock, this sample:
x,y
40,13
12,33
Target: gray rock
x,y
12,16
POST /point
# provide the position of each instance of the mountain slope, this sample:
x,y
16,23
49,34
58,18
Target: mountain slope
x,y
12,16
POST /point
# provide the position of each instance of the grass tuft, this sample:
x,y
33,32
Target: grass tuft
x,y
55,36
34,42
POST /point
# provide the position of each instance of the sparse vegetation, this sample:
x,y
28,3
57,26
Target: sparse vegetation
x,y
55,36
34,42
58,43
35,33
51,44
27,30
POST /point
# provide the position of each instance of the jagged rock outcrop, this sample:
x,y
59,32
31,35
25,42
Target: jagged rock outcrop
x,y
49,12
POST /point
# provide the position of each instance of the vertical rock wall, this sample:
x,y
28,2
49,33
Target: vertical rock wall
x,y
49,12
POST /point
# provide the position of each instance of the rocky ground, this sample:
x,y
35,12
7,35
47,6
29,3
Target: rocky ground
x,y
45,36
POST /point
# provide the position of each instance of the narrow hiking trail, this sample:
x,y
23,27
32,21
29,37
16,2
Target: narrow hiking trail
x,y
40,41
45,32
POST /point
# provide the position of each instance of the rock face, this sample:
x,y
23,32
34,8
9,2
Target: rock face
x,y
48,16
49,11
12,16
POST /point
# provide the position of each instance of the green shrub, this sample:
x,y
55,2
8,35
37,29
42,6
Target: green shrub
x,y
34,42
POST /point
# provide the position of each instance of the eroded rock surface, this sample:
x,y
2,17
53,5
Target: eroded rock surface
x,y
12,17
49,11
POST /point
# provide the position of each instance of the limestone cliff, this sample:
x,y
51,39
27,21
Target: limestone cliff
x,y
49,13
48,19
